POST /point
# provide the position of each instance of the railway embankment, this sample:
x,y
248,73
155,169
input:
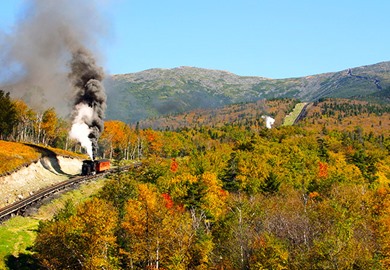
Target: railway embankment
x,y
46,171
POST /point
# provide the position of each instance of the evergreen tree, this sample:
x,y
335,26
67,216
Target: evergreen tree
x,y
271,184
8,115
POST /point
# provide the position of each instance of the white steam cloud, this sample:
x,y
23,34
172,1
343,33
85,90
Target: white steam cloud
x,y
269,121
80,130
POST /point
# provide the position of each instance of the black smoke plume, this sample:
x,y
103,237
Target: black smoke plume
x,y
90,100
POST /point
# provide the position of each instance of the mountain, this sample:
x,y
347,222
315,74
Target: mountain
x,y
155,92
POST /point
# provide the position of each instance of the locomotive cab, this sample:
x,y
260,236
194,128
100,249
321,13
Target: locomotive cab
x,y
91,167
88,167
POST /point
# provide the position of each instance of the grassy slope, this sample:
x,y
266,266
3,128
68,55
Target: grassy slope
x,y
18,233
290,118
14,155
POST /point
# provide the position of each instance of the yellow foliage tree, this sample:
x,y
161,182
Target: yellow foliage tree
x,y
382,209
85,240
215,197
156,234
49,126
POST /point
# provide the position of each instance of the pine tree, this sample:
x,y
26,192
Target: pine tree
x,y
8,115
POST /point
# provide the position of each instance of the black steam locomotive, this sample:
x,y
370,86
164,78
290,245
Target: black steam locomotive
x,y
92,167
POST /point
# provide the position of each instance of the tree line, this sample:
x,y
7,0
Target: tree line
x,y
19,122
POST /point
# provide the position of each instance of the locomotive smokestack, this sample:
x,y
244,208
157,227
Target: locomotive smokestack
x,y
90,100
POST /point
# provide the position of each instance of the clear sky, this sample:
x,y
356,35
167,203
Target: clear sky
x,y
269,38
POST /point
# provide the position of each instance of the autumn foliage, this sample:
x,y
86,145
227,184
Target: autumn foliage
x,y
83,239
237,196
174,165
322,169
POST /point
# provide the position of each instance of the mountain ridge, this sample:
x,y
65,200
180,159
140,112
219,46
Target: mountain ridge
x,y
156,92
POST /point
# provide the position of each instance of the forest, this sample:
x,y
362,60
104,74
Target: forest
x,y
236,195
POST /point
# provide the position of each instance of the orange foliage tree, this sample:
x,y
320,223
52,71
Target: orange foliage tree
x,y
116,135
153,140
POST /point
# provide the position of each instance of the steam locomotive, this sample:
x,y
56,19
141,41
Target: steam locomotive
x,y
91,167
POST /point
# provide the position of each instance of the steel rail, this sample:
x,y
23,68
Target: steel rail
x,y
20,207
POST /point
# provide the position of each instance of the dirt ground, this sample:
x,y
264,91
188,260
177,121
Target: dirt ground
x,y
45,172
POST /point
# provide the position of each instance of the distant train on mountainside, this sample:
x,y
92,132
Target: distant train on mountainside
x,y
91,167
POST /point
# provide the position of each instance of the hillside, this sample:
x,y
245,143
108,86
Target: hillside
x,y
348,115
249,113
331,113
27,168
156,92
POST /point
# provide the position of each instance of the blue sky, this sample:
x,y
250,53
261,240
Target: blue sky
x,y
269,38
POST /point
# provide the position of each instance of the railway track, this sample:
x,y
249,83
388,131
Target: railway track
x,y
302,114
21,206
